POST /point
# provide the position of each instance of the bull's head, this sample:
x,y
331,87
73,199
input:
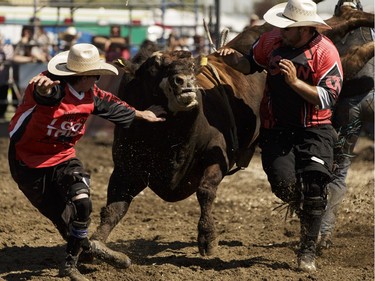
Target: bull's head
x,y
173,75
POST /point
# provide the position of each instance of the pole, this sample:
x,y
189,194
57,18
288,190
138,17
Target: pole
x,y
217,26
35,8
163,6
196,15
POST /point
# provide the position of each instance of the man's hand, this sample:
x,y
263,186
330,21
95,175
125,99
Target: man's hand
x,y
151,114
306,91
229,55
289,70
234,59
43,84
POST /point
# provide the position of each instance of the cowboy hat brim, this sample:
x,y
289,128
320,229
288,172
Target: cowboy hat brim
x,y
58,66
275,17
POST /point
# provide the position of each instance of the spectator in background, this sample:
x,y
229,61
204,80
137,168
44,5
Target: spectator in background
x,y
42,40
146,49
6,56
28,49
254,20
184,43
116,46
172,42
199,45
68,38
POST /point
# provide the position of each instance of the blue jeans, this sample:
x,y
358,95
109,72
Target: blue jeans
x,y
350,116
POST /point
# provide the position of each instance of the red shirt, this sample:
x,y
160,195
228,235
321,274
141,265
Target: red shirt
x,y
45,132
317,63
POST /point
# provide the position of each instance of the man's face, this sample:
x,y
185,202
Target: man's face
x,y
291,36
86,83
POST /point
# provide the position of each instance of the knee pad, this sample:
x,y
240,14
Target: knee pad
x,y
81,220
83,208
314,194
78,210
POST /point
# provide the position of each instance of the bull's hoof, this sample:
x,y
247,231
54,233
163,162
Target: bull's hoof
x,y
207,249
114,258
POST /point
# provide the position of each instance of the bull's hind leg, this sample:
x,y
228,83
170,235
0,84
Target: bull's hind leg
x,y
206,194
119,197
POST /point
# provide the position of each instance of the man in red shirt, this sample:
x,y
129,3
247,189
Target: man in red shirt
x,y
304,79
43,132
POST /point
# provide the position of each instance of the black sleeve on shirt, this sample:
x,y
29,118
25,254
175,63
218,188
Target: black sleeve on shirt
x,y
54,98
109,108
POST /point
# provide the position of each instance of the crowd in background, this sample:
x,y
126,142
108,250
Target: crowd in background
x,y
37,46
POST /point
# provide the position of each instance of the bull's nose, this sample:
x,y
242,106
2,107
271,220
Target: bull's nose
x,y
179,80
184,80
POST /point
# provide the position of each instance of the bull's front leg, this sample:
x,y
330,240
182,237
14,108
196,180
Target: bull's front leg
x,y
121,192
206,194
110,217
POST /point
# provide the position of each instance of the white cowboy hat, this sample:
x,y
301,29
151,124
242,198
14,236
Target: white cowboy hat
x,y
295,13
70,34
81,59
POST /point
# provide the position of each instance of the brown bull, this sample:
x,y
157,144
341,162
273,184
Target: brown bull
x,y
212,121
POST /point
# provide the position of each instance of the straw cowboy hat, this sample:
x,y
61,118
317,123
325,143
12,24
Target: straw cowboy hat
x,y
70,34
81,59
295,13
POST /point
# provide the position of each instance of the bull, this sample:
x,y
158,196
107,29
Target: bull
x,y
212,124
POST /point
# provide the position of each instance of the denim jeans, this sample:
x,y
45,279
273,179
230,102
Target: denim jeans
x,y
350,116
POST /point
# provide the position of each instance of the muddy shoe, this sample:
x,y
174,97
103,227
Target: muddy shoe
x,y
86,256
69,269
114,258
306,257
306,263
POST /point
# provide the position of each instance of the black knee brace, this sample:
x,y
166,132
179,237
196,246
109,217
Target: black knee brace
x,y
314,193
314,202
82,210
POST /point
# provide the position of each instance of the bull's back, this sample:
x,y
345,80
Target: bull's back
x,y
231,104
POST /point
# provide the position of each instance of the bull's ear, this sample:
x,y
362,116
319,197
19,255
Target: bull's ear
x,y
158,57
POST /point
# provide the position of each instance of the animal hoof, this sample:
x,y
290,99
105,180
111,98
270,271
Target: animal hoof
x,y
114,258
208,250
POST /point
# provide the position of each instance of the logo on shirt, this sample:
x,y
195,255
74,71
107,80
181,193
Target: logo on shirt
x,y
64,129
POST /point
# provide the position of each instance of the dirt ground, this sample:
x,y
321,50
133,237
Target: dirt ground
x,y
255,241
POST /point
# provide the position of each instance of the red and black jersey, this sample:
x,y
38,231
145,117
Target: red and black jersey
x,y
46,129
317,63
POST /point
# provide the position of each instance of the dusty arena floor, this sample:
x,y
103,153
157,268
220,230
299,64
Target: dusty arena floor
x,y
255,242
